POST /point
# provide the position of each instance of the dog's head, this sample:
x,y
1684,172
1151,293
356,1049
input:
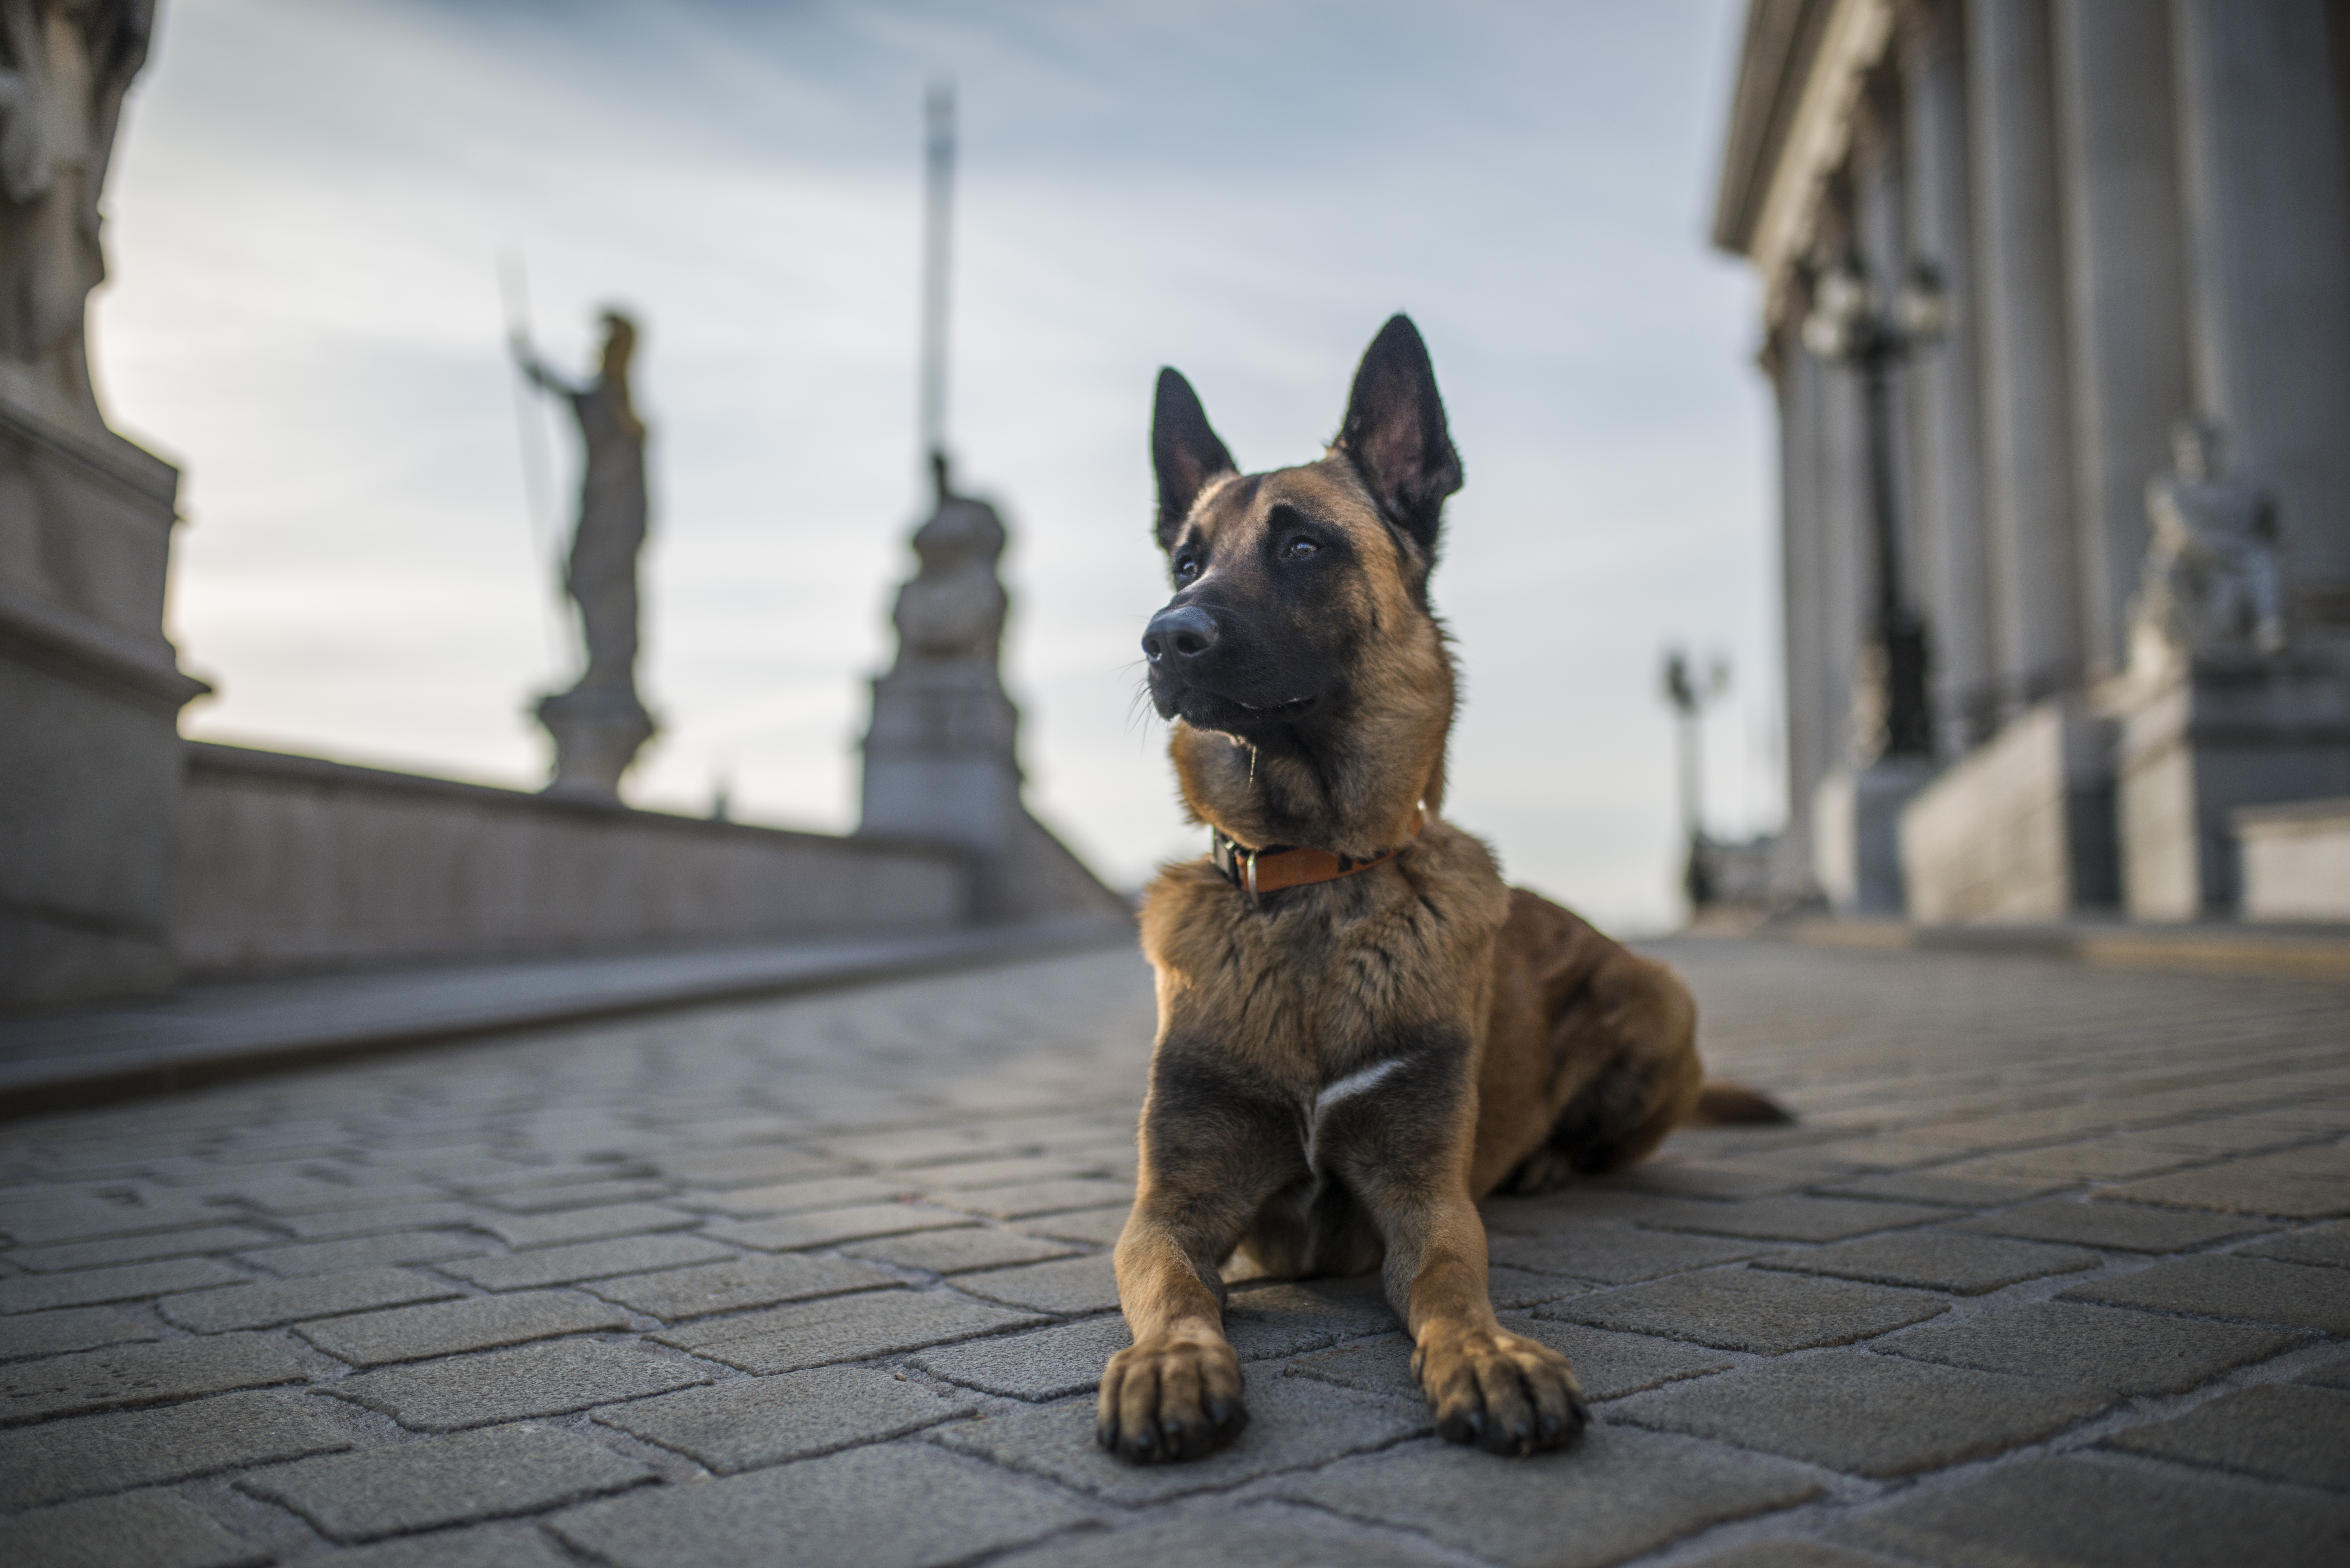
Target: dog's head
x,y
1300,624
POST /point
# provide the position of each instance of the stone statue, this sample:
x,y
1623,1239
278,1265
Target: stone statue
x,y
952,608
65,66
600,724
2211,580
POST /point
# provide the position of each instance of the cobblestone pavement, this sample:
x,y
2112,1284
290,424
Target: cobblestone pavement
x,y
2052,1271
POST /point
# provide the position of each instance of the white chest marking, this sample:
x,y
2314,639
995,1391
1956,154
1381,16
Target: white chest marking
x,y
1353,1083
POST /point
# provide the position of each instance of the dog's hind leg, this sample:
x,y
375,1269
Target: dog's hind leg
x,y
1631,1047
1213,1150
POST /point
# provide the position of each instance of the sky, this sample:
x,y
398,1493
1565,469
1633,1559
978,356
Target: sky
x,y
310,204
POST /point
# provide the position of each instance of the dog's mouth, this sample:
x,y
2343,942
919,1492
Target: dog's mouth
x,y
1206,710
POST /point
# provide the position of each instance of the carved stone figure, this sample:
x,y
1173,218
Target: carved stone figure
x,y
2211,580
952,608
65,66
600,724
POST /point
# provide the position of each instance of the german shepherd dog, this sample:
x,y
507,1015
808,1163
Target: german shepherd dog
x,y
1362,1030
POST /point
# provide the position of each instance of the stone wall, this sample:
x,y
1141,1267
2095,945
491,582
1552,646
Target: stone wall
x,y
289,863
2296,860
2021,829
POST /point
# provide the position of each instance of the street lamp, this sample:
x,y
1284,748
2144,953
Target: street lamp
x,y
1690,697
1852,322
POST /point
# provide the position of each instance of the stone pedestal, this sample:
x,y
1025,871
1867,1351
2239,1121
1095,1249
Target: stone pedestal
x,y
942,758
1856,834
2022,828
2296,860
2203,739
89,699
598,733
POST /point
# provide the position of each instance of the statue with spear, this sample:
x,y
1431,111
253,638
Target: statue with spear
x,y
600,724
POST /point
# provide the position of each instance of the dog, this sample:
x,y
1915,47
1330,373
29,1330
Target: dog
x,y
1362,1030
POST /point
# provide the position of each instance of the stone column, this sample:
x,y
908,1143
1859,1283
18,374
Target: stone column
x,y
1796,377
2261,152
1953,579
2026,413
2126,291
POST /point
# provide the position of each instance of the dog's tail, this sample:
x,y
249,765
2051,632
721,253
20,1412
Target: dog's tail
x,y
1721,1104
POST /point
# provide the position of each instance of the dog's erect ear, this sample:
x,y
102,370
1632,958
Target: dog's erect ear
x,y
1183,450
1395,433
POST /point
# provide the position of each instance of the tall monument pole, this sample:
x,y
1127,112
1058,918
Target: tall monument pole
x,y
938,258
942,755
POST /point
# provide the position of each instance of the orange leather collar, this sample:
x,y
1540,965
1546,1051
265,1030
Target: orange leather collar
x,y
1257,872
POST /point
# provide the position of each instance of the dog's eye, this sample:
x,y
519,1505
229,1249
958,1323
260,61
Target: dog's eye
x,y
1186,568
1297,549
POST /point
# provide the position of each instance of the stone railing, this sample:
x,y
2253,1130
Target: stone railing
x,y
289,864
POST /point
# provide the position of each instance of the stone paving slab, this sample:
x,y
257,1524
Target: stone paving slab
x,y
2291,1434
2252,1288
677,1294
803,1197
581,1195
759,1421
460,1479
450,1328
151,1528
2128,1351
959,1251
98,1454
1751,1310
1614,1495
131,1374
74,1328
71,1214
2128,1227
1248,1537
585,1261
1857,1412
350,1222
485,1546
570,1225
2299,1185
1049,1364
1963,1265
266,1304
1790,1218
1100,1226
793,1231
2088,1513
187,1243
1031,1198
901,1505
399,1249
88,1287
1294,1422
1615,1255
1070,1285
515,1385
1958,1114
2326,1246
848,1328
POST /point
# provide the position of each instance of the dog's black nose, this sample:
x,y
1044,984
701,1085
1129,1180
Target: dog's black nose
x,y
1186,631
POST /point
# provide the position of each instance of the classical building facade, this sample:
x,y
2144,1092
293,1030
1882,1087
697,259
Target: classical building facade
x,y
2081,223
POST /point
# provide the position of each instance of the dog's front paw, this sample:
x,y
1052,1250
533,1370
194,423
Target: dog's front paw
x,y
1505,1393
1168,1399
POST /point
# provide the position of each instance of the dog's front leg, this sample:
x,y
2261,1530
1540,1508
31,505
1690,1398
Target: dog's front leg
x,y
1213,1152
1501,1391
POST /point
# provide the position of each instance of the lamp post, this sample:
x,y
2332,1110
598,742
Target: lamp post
x,y
1689,698
1853,322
